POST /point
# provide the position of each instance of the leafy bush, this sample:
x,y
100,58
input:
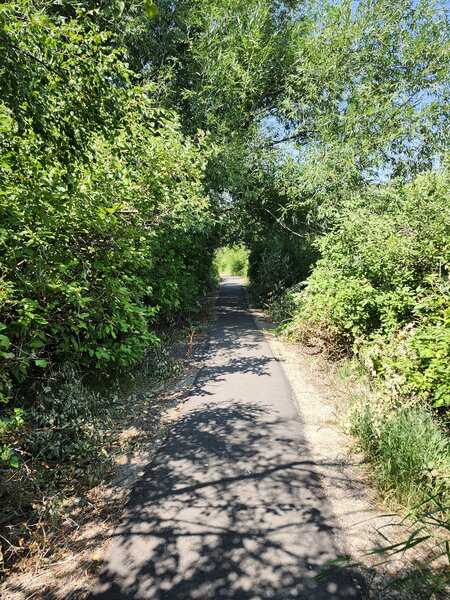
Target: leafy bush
x,y
9,423
232,260
277,262
381,287
66,445
66,425
285,306
415,360
103,221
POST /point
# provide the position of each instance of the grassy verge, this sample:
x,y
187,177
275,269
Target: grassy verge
x,y
408,450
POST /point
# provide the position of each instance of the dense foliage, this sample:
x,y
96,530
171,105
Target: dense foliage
x,y
379,259
279,261
381,292
104,222
137,137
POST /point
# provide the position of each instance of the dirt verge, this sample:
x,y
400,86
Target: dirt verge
x,y
365,521
67,570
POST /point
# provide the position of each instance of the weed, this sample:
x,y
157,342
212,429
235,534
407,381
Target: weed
x,y
409,452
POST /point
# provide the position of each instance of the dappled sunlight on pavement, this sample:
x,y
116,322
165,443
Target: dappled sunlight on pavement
x,y
231,507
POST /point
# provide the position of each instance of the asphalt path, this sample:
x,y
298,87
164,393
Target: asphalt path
x,y
231,507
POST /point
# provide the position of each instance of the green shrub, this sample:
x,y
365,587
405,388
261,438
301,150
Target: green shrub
x,y
381,288
232,261
429,370
384,247
415,361
277,262
104,225
66,424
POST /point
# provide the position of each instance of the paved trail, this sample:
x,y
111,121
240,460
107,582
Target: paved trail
x,y
231,507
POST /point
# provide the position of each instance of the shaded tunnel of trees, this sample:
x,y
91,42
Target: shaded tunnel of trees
x,y
138,137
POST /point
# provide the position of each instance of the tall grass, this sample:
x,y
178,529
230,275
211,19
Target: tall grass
x,y
409,451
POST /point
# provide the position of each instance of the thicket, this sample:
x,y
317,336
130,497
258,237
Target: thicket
x,y
277,262
383,266
104,225
381,292
231,260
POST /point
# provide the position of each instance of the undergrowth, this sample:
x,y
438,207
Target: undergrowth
x,y
409,452
67,444
64,446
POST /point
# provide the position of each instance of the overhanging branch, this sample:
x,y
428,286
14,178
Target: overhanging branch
x,y
291,138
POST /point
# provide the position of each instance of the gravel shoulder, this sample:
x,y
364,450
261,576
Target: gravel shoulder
x,y
363,515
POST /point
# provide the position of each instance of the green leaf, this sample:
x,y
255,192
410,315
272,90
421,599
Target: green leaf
x,y
150,8
40,363
118,9
14,461
4,341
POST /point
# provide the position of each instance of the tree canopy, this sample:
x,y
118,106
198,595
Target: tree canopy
x,y
136,136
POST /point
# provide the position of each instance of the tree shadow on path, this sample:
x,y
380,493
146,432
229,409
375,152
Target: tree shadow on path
x,y
230,508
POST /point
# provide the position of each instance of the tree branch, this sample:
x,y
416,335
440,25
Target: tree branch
x,y
36,58
281,223
290,138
